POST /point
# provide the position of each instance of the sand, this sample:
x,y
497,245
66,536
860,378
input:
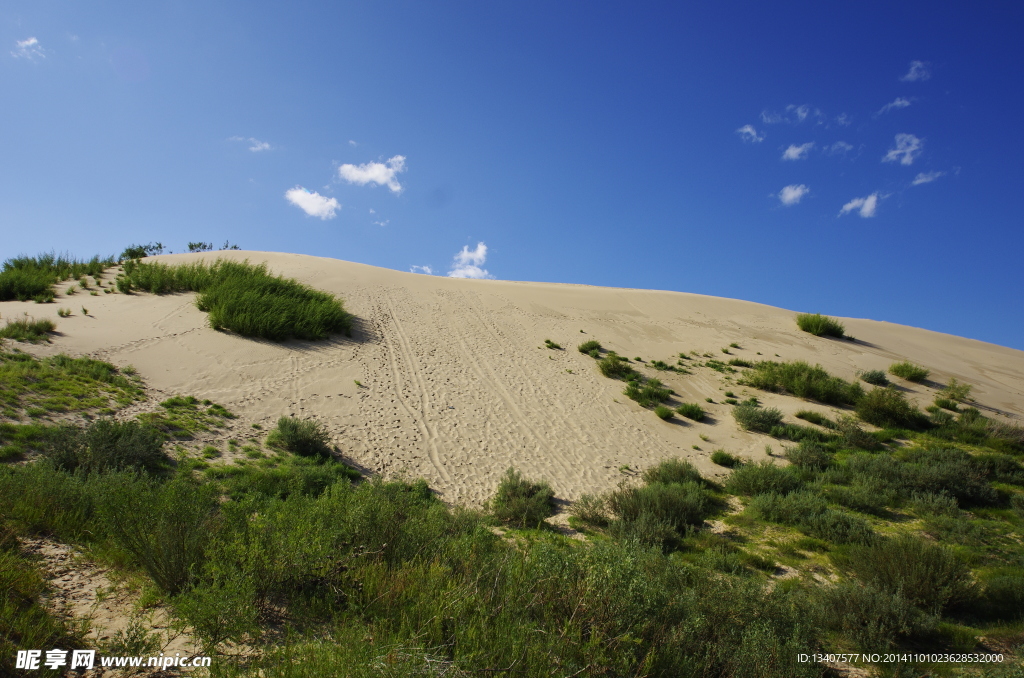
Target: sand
x,y
457,384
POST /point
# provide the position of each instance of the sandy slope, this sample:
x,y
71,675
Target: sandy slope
x,y
457,385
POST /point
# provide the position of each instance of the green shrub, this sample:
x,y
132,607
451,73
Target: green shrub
x,y
875,378
28,330
552,345
664,413
590,510
140,251
931,504
691,411
675,504
588,347
723,458
651,392
909,371
1003,599
521,502
865,497
108,445
870,616
305,437
671,471
947,404
739,362
25,278
750,417
929,576
615,366
956,391
245,298
815,418
810,513
889,408
763,478
820,325
809,454
999,467
800,379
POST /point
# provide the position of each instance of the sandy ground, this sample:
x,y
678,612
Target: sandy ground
x,y
457,385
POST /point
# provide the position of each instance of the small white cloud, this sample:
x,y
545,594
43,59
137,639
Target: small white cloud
x,y
375,172
748,133
908,147
373,211
795,152
898,102
312,203
28,49
801,112
839,148
255,145
927,177
866,206
919,70
791,195
426,270
469,263
352,143
843,120
383,223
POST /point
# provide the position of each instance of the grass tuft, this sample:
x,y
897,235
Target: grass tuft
x,y
28,330
820,325
751,417
304,437
691,411
909,371
521,502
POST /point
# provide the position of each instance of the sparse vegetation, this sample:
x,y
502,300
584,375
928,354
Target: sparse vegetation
x,y
301,436
588,347
521,502
815,418
887,407
32,278
615,366
751,417
800,379
664,413
875,377
909,371
723,458
647,394
244,298
691,411
820,325
552,345
28,330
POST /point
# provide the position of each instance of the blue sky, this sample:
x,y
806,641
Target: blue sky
x,y
858,160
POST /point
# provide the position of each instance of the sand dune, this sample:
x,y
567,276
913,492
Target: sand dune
x,y
457,384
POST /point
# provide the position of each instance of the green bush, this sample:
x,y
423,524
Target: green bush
x,y
809,454
691,411
675,504
815,418
931,504
723,458
589,347
810,513
615,366
664,413
649,393
956,391
909,371
28,330
552,345
869,616
140,251
820,325
590,510
740,362
305,437
929,576
671,471
763,478
800,379
889,408
1003,599
521,502
108,445
875,378
750,417
245,298
25,278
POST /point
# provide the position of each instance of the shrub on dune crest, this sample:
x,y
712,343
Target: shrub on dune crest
x,y
909,371
820,325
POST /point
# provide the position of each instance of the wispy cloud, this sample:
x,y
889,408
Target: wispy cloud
x,y
927,177
748,133
255,145
795,152
352,143
28,49
312,203
379,173
382,223
908,147
793,114
919,70
801,112
791,195
843,120
866,206
898,102
422,269
839,148
469,263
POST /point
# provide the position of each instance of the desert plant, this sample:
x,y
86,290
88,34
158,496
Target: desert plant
x,y
875,377
521,502
664,413
64,312
647,394
909,371
675,504
140,251
740,362
723,458
820,325
763,478
301,436
590,510
200,246
588,347
803,381
887,407
751,417
956,391
552,345
615,366
28,330
691,411
809,455
108,445
671,471
815,418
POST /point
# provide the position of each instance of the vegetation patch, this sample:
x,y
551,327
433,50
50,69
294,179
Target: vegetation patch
x,y
32,278
28,330
691,411
589,347
752,417
244,298
875,378
302,436
887,407
820,325
723,458
648,393
521,502
804,381
909,371
184,416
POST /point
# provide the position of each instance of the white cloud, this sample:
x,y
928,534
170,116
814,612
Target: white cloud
x,y
373,211
843,120
794,115
927,177
795,152
28,49
866,206
801,112
898,102
422,269
748,133
919,70
352,143
312,203
255,145
908,147
375,172
469,263
839,148
383,223
791,195
771,118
